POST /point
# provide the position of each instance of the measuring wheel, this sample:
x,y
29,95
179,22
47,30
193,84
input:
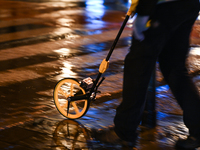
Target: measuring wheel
x,y
69,87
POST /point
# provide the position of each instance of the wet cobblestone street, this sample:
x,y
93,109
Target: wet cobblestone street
x,y
44,41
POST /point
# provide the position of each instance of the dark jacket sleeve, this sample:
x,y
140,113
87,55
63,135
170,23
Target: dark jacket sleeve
x,y
146,7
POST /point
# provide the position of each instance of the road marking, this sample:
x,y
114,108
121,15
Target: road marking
x,y
49,47
33,33
13,76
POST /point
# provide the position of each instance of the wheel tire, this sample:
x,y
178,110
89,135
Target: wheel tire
x,y
65,88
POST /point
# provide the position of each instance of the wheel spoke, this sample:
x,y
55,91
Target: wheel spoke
x,y
71,89
75,107
63,93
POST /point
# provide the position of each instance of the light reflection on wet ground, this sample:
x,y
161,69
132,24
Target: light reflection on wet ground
x,y
81,33
65,134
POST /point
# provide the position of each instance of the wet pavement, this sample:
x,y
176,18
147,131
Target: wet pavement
x,y
42,42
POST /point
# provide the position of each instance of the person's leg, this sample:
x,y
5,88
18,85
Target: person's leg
x,y
173,66
140,62
137,73
138,67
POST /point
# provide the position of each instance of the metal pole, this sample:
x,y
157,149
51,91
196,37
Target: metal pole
x,y
117,37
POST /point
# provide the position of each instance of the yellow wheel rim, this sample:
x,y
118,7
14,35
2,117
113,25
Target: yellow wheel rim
x,y
68,88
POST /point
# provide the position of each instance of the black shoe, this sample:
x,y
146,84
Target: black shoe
x,y
109,136
128,145
189,143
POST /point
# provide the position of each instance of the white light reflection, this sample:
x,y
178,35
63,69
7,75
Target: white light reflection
x,y
62,52
65,22
198,18
95,10
66,71
195,51
96,7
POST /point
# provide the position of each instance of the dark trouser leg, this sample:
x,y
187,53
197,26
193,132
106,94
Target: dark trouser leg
x,y
138,67
140,62
172,63
137,73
